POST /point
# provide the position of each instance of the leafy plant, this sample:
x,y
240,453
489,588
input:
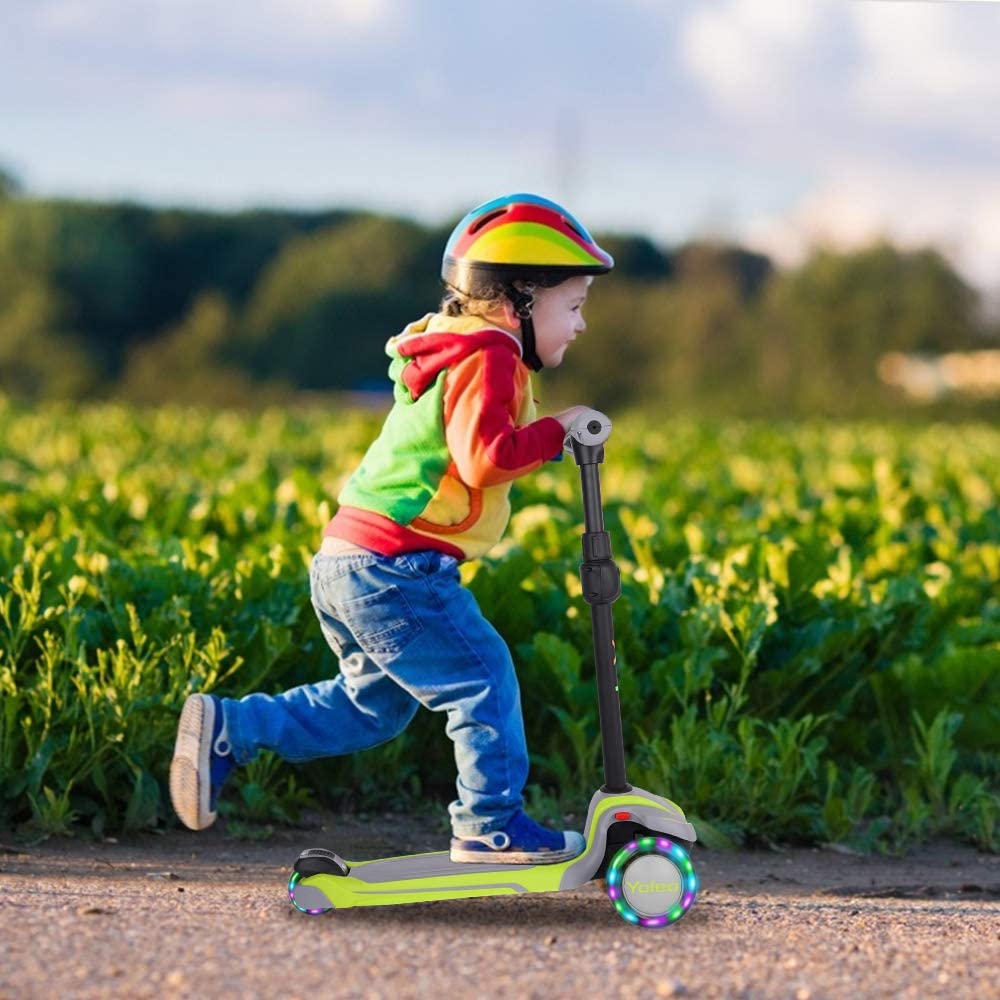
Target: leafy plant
x,y
806,642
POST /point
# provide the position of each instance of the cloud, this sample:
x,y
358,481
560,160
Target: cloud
x,y
892,106
919,62
750,55
856,64
252,27
859,202
198,61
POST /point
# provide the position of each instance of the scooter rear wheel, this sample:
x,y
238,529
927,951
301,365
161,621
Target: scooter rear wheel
x,y
651,882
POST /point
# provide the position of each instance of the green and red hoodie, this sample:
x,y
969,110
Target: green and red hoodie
x,y
462,428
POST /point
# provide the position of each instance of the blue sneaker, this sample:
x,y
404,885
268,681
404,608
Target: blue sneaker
x,y
203,758
521,842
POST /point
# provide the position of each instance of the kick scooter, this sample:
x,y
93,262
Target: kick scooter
x,y
637,841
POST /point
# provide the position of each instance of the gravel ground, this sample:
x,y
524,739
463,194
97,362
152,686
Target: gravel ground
x,y
186,915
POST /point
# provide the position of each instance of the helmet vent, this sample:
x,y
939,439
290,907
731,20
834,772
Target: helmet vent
x,y
569,225
479,223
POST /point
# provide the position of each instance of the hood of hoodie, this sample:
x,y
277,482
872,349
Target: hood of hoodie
x,y
435,342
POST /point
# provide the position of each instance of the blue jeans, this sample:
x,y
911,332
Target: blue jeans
x,y
407,633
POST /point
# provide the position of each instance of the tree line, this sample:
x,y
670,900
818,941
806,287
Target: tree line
x,y
120,300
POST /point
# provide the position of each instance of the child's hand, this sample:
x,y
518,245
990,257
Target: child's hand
x,y
566,417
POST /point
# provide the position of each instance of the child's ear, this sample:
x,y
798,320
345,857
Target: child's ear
x,y
510,316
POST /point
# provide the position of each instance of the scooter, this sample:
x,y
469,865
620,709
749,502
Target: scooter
x,y
637,841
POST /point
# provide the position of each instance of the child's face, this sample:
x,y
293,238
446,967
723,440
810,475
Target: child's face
x,y
558,318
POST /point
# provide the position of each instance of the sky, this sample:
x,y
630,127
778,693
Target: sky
x,y
777,123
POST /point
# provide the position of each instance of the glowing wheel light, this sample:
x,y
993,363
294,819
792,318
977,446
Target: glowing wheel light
x,y
674,856
292,883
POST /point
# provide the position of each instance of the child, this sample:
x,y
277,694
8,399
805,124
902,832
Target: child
x,y
431,491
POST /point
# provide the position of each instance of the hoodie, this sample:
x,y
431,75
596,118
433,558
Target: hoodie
x,y
461,429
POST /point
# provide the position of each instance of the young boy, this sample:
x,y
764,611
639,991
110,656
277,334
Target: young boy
x,y
431,491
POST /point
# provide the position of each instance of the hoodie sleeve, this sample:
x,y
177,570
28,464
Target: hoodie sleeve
x,y
486,447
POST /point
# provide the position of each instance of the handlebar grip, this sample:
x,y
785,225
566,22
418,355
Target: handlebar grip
x,y
590,427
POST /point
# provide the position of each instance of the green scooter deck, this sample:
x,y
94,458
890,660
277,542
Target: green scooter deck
x,y
419,878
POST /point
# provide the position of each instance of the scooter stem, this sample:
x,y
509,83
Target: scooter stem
x,y
601,588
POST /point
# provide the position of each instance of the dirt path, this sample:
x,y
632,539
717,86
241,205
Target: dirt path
x,y
202,915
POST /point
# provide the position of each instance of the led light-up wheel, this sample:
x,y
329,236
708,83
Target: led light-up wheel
x,y
651,882
292,883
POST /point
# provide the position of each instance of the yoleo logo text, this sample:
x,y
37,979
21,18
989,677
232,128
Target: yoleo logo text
x,y
653,886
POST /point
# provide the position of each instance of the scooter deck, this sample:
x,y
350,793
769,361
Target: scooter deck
x,y
419,878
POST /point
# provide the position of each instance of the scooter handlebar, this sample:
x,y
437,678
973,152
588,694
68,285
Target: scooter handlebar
x,y
591,427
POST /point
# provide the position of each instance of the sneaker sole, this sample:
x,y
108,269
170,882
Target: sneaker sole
x,y
574,848
190,786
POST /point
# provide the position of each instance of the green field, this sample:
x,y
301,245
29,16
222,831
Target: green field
x,y
808,634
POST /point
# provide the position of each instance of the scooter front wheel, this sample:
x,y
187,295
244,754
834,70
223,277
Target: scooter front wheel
x,y
651,882
292,883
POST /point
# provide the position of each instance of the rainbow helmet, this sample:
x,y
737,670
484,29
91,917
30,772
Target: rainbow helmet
x,y
519,236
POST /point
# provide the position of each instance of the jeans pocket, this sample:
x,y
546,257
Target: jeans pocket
x,y
427,562
382,622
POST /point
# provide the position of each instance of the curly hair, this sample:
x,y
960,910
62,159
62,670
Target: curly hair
x,y
491,296
486,300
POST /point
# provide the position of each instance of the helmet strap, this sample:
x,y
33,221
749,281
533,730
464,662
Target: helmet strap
x,y
531,358
523,301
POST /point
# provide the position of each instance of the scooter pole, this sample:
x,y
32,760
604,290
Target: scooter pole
x,y
601,588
